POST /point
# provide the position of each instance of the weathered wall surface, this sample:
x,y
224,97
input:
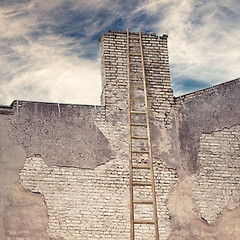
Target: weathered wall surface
x,y
25,214
187,221
64,135
64,167
207,196
113,55
61,134
12,158
204,112
87,203
113,47
217,184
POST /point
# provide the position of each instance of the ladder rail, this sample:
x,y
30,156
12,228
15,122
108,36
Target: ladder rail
x,y
148,138
130,145
149,142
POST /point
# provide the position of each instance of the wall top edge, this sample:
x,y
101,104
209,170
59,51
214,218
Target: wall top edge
x,y
206,90
16,103
112,32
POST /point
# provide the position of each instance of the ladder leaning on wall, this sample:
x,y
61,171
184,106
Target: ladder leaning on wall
x,y
140,152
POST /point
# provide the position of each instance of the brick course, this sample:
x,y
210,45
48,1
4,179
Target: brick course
x,y
217,184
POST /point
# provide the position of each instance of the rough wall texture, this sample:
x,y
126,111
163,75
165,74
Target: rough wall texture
x,y
25,214
206,197
64,167
49,129
187,222
12,158
217,183
204,112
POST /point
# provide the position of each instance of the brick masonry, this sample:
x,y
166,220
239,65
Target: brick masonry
x,y
217,184
113,53
77,158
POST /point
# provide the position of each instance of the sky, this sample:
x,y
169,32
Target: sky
x,y
49,49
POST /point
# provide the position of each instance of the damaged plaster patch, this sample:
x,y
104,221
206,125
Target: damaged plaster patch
x,y
187,223
25,214
12,158
205,113
165,179
165,145
217,184
228,225
186,220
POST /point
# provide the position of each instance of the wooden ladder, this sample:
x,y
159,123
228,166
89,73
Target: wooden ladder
x,y
138,120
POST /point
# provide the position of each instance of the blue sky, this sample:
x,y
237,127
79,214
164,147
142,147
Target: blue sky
x,y
49,48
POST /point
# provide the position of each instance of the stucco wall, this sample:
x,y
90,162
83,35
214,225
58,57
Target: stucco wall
x,y
206,198
206,111
64,135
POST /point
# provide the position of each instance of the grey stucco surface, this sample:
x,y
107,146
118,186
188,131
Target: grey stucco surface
x,y
12,156
206,113
63,136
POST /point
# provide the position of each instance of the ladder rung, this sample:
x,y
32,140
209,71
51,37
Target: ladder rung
x,y
137,100
139,124
143,202
146,152
134,37
141,166
143,221
137,112
139,137
136,74
136,63
134,45
142,183
137,86
135,54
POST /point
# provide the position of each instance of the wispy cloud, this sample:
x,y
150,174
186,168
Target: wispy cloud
x,y
49,49
203,41
55,78
43,58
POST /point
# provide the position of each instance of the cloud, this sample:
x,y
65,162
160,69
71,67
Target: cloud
x,y
40,62
59,79
51,74
151,6
203,40
49,49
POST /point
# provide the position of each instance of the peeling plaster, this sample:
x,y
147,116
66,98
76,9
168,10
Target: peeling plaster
x,y
205,113
25,214
187,223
